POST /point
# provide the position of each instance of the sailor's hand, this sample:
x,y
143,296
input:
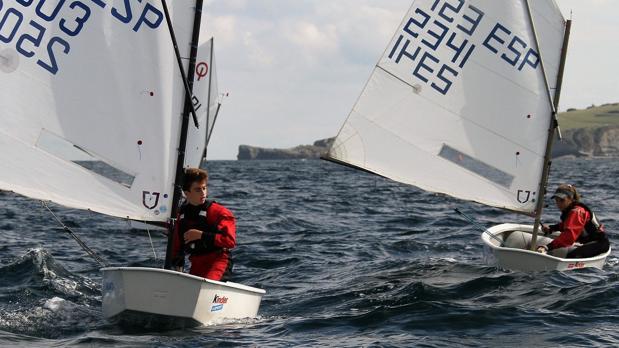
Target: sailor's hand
x,y
546,229
542,249
192,235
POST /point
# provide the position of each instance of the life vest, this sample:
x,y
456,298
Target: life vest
x,y
192,217
593,230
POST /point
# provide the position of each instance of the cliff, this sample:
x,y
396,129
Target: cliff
x,y
593,131
314,151
599,142
581,142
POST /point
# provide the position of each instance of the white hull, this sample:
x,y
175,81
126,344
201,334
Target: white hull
x,y
514,255
152,297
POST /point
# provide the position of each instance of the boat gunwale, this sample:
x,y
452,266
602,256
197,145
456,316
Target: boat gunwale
x,y
233,285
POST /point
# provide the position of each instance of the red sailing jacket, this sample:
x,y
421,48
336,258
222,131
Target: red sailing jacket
x,y
571,227
209,256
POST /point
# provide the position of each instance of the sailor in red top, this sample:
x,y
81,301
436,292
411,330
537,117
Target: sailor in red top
x,y
204,229
578,224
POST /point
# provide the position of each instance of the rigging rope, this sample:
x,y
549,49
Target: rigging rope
x,y
151,241
77,239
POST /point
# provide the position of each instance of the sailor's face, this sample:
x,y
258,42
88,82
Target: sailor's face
x,y
562,203
197,193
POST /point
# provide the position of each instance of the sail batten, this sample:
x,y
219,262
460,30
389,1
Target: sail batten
x,y
458,103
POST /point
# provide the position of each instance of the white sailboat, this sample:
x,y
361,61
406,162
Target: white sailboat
x,y
463,102
97,114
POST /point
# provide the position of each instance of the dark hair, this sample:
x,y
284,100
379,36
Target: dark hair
x,y
193,175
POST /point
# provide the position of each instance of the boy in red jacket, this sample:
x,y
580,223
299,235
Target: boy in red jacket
x,y
204,229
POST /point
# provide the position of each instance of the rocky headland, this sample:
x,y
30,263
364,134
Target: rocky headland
x,y
592,132
314,151
582,142
588,142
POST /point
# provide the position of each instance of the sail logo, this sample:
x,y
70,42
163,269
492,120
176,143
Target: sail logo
x,y
524,196
201,70
196,103
150,200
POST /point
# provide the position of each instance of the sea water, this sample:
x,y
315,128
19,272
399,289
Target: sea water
x,y
347,259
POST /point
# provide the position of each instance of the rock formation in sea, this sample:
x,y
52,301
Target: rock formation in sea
x,y
581,142
314,151
592,132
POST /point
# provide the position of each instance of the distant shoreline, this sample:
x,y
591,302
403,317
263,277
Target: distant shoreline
x,y
590,132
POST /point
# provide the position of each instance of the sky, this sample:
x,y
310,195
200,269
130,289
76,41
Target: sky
x,y
294,68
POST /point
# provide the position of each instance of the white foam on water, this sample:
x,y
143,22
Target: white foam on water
x,y
54,304
243,321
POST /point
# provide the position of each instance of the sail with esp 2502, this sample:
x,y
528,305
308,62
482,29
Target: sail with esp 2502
x,y
96,101
86,81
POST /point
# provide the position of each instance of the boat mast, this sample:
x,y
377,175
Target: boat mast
x,y
188,88
554,124
188,107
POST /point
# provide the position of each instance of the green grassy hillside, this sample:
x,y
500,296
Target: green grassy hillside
x,y
592,117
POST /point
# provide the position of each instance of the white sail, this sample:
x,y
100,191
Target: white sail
x,y
205,101
458,103
94,80
215,100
